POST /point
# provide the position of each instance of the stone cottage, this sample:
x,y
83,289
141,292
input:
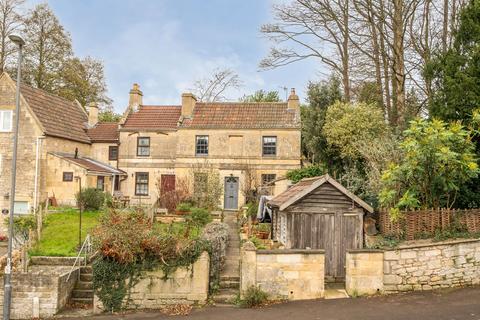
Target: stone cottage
x,y
57,140
61,145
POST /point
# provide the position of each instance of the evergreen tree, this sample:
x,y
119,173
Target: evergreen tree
x,y
456,73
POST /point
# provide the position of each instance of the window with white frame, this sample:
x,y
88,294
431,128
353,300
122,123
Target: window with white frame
x,y
6,120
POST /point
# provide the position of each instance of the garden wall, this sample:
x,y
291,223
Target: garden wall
x,y
420,267
41,293
184,286
283,274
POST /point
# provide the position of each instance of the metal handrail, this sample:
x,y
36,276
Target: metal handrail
x,y
86,247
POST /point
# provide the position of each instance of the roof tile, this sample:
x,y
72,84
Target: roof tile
x,y
58,116
154,117
104,132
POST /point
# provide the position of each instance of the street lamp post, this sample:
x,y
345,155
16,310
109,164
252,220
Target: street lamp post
x,y
80,208
7,298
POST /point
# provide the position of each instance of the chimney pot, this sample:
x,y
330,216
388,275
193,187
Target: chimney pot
x,y
92,114
136,97
188,103
293,101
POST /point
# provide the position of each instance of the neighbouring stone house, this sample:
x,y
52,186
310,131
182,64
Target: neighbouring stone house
x,y
244,141
57,141
61,143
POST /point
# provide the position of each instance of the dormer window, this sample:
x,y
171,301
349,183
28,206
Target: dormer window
x,y
143,146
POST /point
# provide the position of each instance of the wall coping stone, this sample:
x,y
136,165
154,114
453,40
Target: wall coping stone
x,y
291,251
434,244
365,250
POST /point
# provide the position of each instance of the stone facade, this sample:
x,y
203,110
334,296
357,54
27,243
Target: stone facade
x,y
444,265
283,274
40,294
364,272
185,286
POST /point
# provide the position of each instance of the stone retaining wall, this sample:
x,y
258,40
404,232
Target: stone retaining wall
x,y
426,267
42,293
184,286
411,268
283,274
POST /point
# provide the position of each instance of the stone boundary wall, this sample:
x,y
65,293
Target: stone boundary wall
x,y
413,268
433,266
49,287
283,274
184,286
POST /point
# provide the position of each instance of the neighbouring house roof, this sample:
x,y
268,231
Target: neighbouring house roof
x,y
306,186
240,115
91,165
104,132
154,117
59,117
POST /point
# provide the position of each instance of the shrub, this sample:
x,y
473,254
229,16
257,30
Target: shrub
x,y
217,234
22,224
306,172
90,199
252,209
254,297
184,206
199,217
171,199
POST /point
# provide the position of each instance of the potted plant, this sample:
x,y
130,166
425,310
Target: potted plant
x,y
183,208
262,230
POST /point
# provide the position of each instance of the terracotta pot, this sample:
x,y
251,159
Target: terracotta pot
x,y
262,235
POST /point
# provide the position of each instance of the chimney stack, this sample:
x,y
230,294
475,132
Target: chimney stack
x,y
188,103
92,114
135,99
293,101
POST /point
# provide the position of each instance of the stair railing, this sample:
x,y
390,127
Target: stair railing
x,y
85,249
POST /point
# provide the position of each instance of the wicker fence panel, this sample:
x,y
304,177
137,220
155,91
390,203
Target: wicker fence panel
x,y
416,224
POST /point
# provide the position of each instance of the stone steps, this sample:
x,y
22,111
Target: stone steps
x,y
225,296
82,293
230,275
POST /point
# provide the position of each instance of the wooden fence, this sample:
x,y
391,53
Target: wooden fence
x,y
414,224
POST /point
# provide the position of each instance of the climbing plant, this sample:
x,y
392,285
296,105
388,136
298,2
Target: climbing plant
x,y
128,246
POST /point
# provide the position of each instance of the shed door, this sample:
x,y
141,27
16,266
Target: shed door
x,y
348,235
335,232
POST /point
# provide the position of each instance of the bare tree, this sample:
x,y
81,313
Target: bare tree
x,y
214,88
311,29
10,22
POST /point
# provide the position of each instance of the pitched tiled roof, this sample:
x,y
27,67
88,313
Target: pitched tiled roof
x,y
90,164
306,186
240,115
298,188
154,117
104,132
58,116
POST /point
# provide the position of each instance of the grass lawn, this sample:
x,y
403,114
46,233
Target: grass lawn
x,y
60,233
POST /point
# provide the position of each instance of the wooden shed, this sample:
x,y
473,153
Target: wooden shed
x,y
319,213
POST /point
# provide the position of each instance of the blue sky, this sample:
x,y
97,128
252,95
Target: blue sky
x,y
165,45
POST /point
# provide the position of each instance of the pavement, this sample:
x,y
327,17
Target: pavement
x,y
449,304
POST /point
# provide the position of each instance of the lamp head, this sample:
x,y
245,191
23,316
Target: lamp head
x,y
17,40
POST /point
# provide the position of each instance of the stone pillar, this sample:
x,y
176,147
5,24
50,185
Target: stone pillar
x,y
364,272
248,267
199,289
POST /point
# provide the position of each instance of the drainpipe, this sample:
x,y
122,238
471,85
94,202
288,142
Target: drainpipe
x,y
37,173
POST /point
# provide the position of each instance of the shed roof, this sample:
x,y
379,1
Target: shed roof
x,y
306,186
